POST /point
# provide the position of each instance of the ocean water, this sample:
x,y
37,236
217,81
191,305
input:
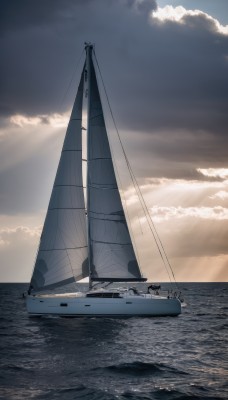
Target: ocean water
x,y
171,358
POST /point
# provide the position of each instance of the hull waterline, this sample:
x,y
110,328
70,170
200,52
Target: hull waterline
x,y
81,306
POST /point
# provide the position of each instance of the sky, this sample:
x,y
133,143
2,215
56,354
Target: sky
x,y
165,68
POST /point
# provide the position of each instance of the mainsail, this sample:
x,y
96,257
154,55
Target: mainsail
x,y
64,256
112,256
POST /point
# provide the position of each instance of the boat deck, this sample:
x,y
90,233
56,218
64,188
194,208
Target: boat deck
x,y
124,294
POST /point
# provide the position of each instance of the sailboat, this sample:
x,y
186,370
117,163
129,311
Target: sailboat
x,y
87,234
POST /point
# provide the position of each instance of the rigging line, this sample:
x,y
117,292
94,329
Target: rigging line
x,y
146,213
153,225
158,240
71,80
149,220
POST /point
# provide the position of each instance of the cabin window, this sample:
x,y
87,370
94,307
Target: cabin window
x,y
63,304
104,294
128,302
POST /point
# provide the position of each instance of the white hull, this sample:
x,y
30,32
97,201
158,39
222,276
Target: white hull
x,y
78,305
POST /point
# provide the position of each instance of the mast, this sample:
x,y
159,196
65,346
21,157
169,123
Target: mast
x,y
88,49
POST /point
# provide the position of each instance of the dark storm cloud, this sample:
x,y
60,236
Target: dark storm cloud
x,y
163,79
16,15
177,154
42,39
183,77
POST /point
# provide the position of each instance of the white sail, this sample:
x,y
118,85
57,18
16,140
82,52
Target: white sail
x,y
62,255
112,256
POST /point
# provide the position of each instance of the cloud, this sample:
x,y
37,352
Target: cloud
x,y
221,195
17,250
161,73
210,213
214,172
55,120
46,41
170,77
176,154
18,234
180,14
179,197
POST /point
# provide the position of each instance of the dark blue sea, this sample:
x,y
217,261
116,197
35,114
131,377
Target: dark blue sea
x,y
171,358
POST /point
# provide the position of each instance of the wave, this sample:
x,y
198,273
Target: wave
x,y
139,368
221,327
166,394
201,314
19,368
81,392
76,392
